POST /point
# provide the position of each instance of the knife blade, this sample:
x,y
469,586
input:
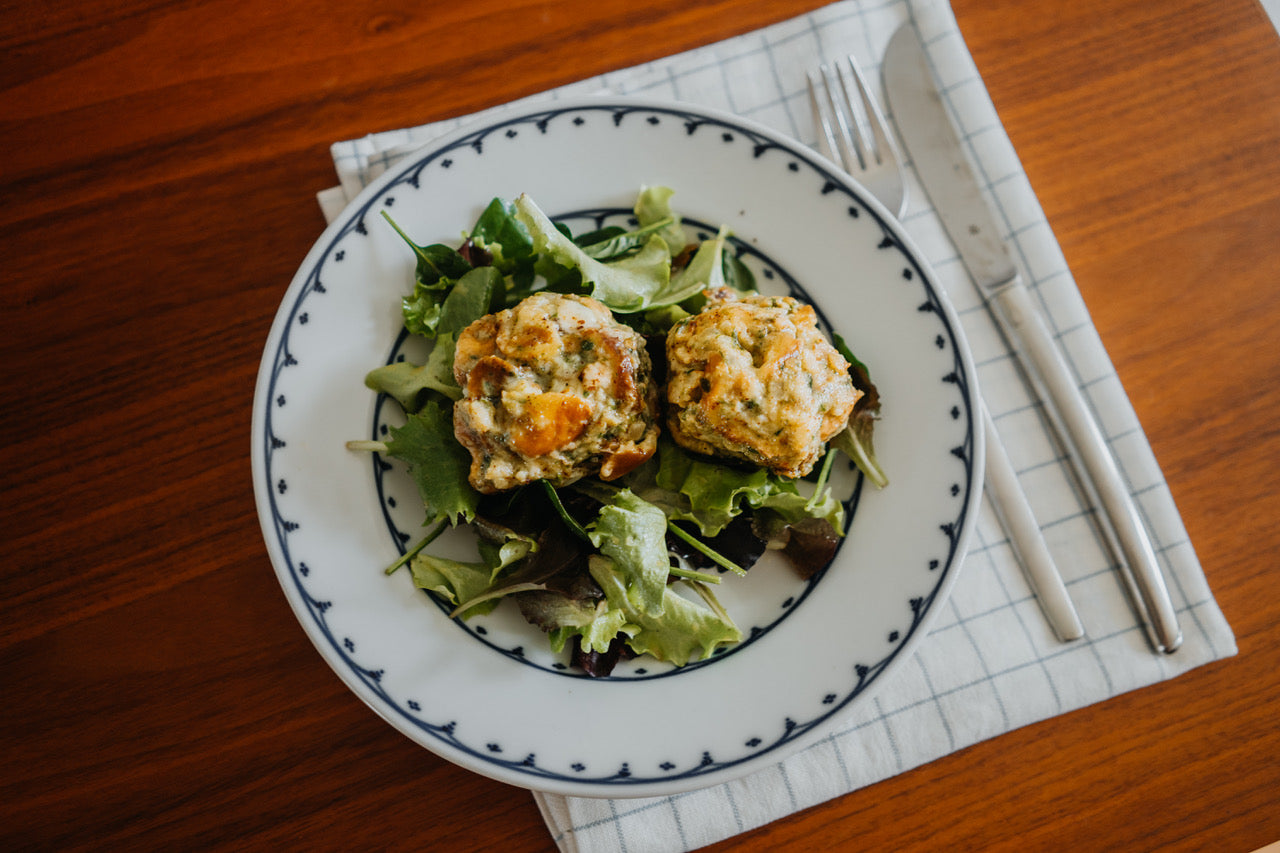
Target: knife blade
x,y
927,132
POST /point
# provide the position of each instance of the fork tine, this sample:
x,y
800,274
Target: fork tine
x,y
854,132
832,114
856,108
848,130
825,110
882,145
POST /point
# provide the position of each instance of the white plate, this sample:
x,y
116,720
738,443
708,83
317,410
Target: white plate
x,y
488,694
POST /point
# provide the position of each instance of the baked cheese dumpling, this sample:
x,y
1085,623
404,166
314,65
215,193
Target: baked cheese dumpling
x,y
553,389
752,378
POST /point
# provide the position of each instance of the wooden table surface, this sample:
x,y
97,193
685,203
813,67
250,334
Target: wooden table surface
x,y
159,168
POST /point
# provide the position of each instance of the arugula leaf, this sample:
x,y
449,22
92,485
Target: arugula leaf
x,y
410,383
472,296
438,267
502,235
438,464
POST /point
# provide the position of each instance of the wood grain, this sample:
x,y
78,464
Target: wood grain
x,y
160,165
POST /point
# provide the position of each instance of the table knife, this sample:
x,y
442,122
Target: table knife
x,y
934,145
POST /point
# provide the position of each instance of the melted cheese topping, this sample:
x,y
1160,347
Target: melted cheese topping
x,y
753,378
554,389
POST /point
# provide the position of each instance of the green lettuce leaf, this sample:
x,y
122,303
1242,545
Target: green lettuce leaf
x,y
704,270
633,533
684,631
473,586
455,581
711,495
627,285
653,210
595,624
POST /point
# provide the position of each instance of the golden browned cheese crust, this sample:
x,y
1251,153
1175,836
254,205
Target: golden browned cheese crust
x,y
752,378
553,389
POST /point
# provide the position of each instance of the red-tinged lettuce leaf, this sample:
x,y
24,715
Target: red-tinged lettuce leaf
x,y
737,543
808,544
599,664
437,463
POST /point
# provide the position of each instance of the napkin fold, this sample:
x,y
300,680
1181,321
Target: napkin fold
x,y
991,663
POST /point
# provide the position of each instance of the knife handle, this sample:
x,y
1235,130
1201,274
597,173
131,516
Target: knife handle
x,y
1101,478
1028,543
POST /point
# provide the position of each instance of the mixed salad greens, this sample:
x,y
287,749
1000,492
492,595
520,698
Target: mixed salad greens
x,y
597,565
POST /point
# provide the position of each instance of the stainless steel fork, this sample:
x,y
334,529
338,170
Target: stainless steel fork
x,y
854,133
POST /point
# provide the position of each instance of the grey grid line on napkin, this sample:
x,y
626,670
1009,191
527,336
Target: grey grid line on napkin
x,y
991,663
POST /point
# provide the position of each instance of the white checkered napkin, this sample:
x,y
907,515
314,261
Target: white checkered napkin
x,y
991,663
